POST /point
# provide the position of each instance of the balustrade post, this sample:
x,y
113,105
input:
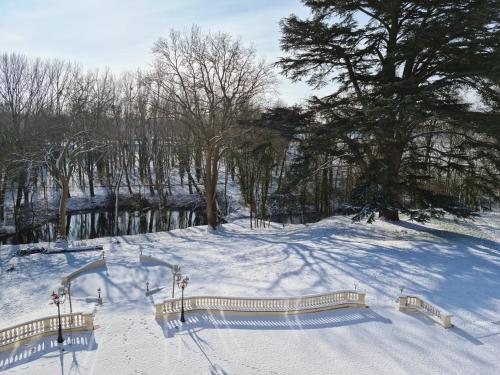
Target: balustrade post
x,y
158,310
446,319
361,298
403,302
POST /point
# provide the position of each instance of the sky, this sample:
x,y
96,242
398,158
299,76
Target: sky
x,y
119,34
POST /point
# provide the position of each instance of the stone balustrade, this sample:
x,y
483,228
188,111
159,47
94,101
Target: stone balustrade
x,y
18,335
268,306
100,263
412,303
153,260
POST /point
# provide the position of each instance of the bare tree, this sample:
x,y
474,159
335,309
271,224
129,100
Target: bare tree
x,y
61,161
210,80
23,90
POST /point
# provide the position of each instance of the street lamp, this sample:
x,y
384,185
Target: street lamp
x,y
182,282
68,291
57,301
176,270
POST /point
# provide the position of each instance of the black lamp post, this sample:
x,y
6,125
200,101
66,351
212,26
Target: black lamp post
x,y
182,282
69,296
57,300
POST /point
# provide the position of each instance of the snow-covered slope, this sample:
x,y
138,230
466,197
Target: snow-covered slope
x,y
453,265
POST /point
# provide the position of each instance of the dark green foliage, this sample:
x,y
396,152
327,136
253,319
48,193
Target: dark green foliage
x,y
368,212
408,79
424,216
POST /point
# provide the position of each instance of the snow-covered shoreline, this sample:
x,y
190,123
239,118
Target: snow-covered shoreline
x,y
455,265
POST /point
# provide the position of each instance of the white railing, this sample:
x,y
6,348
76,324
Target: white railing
x,y
12,337
150,259
284,305
412,303
100,263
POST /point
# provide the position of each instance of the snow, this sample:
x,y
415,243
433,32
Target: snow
x,y
454,265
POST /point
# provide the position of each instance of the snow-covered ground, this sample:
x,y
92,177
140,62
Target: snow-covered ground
x,y
455,265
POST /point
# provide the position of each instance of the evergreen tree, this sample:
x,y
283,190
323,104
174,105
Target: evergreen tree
x,y
416,96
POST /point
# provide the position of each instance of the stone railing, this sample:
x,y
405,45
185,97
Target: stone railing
x,y
271,306
412,303
150,259
100,263
15,336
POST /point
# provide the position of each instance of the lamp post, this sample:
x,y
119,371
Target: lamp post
x,y
57,301
176,270
182,282
69,296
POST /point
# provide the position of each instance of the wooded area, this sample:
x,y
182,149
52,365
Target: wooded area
x,y
411,125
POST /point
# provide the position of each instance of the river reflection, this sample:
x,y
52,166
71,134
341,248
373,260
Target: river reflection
x,y
96,224
87,225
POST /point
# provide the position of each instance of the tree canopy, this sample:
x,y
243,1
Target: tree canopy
x,y
415,93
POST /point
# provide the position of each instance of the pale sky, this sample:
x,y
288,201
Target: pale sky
x,y
119,34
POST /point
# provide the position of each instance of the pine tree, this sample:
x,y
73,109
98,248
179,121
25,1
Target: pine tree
x,y
400,70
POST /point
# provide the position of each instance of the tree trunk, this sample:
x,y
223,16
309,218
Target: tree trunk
x,y
150,179
90,174
20,188
282,168
389,214
390,184
117,190
62,225
210,181
3,189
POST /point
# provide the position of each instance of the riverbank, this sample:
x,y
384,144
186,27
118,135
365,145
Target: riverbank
x,y
42,213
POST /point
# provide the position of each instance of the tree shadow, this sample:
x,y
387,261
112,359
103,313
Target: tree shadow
x,y
483,244
200,343
436,270
465,335
32,351
227,320
427,320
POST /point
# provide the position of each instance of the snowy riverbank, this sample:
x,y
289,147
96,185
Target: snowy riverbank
x,y
455,265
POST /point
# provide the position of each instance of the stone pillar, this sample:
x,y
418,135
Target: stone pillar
x,y
446,319
402,304
88,321
159,311
361,298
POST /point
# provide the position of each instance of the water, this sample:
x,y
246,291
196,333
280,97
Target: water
x,y
307,217
96,224
88,225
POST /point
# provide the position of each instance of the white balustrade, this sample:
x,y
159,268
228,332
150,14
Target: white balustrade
x,y
151,259
262,305
39,328
100,263
412,303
